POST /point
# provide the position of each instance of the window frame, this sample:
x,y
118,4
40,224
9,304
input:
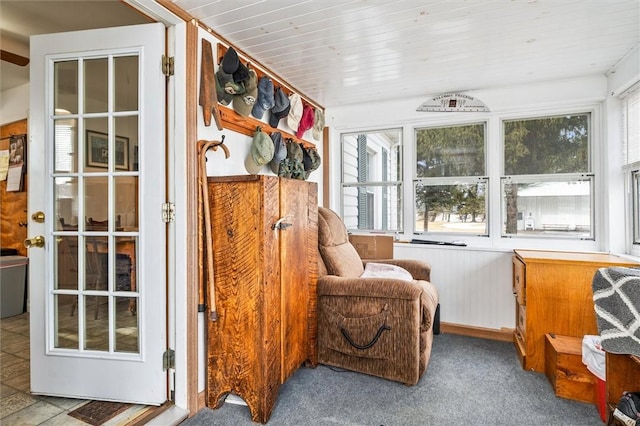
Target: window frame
x,y
590,174
631,169
450,180
398,184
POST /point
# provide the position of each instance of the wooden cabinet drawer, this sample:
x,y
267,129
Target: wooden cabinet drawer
x,y
519,284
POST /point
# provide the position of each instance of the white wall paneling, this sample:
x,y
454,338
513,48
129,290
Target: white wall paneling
x,y
474,285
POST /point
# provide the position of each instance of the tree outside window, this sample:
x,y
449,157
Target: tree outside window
x,y
547,184
450,186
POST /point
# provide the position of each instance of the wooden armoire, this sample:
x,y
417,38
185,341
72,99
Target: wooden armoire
x,y
265,240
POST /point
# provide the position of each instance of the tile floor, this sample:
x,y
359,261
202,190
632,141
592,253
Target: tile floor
x,y
17,405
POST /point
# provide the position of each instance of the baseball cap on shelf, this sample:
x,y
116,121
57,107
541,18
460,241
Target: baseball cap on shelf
x,y
241,74
234,88
295,113
306,122
280,108
318,124
243,103
227,83
265,99
221,79
311,160
260,153
295,157
230,61
279,151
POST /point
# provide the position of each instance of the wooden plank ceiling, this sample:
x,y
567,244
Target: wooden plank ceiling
x,y
340,52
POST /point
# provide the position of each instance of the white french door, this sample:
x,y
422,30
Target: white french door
x,y
97,173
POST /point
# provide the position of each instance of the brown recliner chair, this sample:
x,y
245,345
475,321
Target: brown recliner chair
x,y
378,326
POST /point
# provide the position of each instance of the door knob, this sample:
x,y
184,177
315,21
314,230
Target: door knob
x,y
38,217
37,241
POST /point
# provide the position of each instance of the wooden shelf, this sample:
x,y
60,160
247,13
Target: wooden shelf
x,y
231,120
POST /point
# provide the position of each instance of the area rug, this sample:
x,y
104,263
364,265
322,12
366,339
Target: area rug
x,y
97,413
616,294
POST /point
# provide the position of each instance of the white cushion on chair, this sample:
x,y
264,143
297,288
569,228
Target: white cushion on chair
x,y
385,270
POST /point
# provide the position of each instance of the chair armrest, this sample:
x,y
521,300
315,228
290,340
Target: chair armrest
x,y
419,269
332,285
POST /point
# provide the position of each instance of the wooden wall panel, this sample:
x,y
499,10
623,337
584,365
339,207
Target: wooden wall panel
x,y
13,205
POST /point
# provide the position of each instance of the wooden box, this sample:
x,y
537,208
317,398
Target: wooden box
x,y
373,246
567,374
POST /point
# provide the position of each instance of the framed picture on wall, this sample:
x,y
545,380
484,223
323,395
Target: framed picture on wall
x,y
98,150
18,150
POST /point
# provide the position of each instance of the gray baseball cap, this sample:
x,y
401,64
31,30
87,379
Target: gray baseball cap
x,y
260,153
280,108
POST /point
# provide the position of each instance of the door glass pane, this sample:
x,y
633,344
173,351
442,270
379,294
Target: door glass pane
x,y
96,145
126,203
126,129
126,326
125,263
96,85
126,83
66,263
65,195
65,81
96,323
66,321
96,207
96,263
65,152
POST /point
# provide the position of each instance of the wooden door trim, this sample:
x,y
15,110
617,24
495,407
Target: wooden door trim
x,y
192,213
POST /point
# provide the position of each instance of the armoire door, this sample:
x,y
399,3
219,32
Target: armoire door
x,y
298,246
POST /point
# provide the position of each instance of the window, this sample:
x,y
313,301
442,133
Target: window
x,y
450,186
547,185
372,180
631,161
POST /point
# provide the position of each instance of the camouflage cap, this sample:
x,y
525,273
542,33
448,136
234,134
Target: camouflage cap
x,y
311,160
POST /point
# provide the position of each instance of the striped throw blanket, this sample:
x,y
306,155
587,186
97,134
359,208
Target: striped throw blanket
x,y
616,295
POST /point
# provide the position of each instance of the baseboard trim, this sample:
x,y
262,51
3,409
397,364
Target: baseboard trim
x,y
503,334
202,402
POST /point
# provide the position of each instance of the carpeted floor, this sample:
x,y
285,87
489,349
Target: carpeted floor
x,y
469,381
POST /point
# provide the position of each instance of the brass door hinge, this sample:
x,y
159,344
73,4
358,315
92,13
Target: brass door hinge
x,y
167,65
168,212
168,359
